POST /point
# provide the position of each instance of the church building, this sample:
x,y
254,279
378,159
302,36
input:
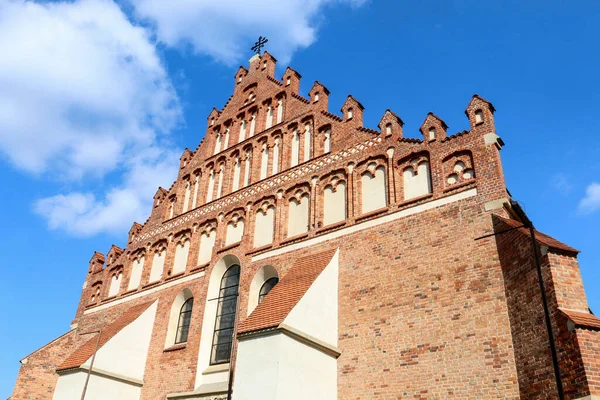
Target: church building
x,y
300,255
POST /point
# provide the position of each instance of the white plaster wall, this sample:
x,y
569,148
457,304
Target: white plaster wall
x,y
181,255
261,276
278,367
125,353
257,369
70,387
158,264
115,284
236,175
247,171
298,216
195,199
218,143
211,187
186,198
207,242
264,162
305,373
234,233
269,121
419,184
226,141
316,314
373,190
279,111
307,142
327,144
264,226
220,182
137,267
242,131
253,125
275,157
295,148
334,208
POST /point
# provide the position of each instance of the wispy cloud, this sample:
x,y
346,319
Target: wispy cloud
x,y
560,182
591,201
224,29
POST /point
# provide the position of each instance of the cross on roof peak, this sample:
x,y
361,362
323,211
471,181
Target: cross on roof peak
x,y
260,43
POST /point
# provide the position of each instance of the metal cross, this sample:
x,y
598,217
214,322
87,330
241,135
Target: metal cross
x,y
260,43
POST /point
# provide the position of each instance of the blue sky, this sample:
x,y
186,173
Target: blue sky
x,y
98,100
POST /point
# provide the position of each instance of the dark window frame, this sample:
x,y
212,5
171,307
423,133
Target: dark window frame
x,y
266,288
184,321
222,340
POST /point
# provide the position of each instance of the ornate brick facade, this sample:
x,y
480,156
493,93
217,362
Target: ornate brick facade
x,y
425,310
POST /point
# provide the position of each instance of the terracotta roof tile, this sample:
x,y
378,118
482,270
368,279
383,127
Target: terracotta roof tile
x,y
85,351
541,237
285,295
582,318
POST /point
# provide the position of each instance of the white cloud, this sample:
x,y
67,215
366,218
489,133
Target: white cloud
x,y
591,201
226,29
82,214
80,86
83,90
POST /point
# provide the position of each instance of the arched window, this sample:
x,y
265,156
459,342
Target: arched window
x,y
226,314
183,325
266,288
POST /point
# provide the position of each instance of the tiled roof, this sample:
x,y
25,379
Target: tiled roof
x,y
582,318
285,295
85,351
541,237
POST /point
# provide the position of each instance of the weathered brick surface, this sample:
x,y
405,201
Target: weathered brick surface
x,y
425,310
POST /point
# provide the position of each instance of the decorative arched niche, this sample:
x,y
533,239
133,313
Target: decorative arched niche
x,y
458,168
416,176
137,269
182,250
174,317
207,373
235,228
298,211
264,223
262,275
373,185
334,198
116,276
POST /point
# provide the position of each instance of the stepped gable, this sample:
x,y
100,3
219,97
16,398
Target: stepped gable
x,y
285,295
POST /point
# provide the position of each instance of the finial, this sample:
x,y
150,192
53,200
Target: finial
x,y
260,43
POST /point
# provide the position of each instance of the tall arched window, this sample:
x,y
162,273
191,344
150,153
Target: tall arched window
x,y
183,325
266,288
226,314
